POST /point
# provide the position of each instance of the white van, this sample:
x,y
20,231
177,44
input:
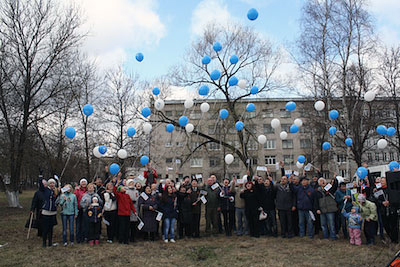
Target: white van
x,y
376,171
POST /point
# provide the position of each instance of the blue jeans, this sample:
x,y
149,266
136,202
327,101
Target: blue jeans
x,y
241,221
305,218
70,220
169,228
328,225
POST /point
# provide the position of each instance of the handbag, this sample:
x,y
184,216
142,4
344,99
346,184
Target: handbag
x,y
262,215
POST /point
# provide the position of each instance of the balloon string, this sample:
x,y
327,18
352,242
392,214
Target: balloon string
x,y
65,165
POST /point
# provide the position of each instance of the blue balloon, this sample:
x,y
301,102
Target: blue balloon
x,y
87,109
391,131
362,172
204,90
290,106
114,168
131,131
252,14
170,128
183,121
254,90
139,57
394,165
349,141
326,145
144,160
215,74
294,128
102,149
217,47
234,59
233,81
223,114
301,159
70,132
332,130
206,60
250,107
146,111
239,125
333,114
381,129
156,91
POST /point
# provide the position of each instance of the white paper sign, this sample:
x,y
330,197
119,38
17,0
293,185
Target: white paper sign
x,y
106,222
261,168
159,216
277,166
327,187
296,173
178,161
144,196
349,185
377,194
203,199
311,215
378,185
239,181
288,172
353,191
214,186
140,226
203,192
170,168
199,176
64,189
141,177
307,168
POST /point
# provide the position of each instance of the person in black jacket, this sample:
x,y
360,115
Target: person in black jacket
x,y
227,204
196,208
252,205
49,210
184,203
286,204
267,193
37,203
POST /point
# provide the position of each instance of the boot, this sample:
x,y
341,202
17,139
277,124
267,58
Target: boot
x,y
97,242
91,242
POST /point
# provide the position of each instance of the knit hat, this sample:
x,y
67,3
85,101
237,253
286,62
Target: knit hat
x,y
129,181
51,180
304,178
95,198
83,180
361,198
119,188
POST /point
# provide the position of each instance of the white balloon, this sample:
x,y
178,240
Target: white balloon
x,y
96,152
122,154
283,135
262,139
275,123
159,104
204,107
319,105
229,159
369,96
188,103
382,143
298,122
242,84
189,127
147,127
299,165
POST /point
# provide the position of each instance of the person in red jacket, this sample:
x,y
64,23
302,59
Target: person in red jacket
x,y
150,174
81,219
125,206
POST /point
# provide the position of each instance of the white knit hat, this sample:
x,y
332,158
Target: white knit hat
x,y
83,180
51,180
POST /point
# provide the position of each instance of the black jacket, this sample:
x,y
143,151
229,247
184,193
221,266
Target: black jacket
x,y
224,199
267,196
252,201
285,198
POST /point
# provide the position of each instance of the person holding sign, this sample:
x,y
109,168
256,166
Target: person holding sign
x,y
125,206
355,223
252,205
285,204
167,206
150,175
69,213
227,204
212,205
148,205
195,195
326,207
184,203
237,186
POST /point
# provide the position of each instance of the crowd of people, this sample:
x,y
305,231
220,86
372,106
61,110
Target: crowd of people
x,y
132,210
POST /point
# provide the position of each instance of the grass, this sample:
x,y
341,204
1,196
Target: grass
x,y
210,251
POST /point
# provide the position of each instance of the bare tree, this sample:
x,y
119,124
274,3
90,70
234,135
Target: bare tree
x,y
36,37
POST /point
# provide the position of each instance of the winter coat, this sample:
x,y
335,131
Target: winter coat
x,y
151,177
354,219
252,202
37,203
148,216
325,201
368,210
239,202
385,211
49,206
79,192
94,213
194,195
226,199
87,200
304,196
168,208
212,197
110,201
339,197
134,195
124,202
285,198
184,203
69,204
267,196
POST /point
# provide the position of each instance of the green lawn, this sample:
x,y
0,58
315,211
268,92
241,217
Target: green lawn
x,y
213,251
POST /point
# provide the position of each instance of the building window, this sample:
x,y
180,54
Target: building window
x,y
286,127
304,130
196,162
195,145
391,156
252,128
343,173
369,157
178,160
270,144
168,144
214,146
305,143
268,129
214,162
169,113
287,143
195,115
168,160
270,160
377,156
250,115
212,129
288,159
341,158
235,162
384,156
235,144
268,113
254,161
303,112
285,113
252,145
179,144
